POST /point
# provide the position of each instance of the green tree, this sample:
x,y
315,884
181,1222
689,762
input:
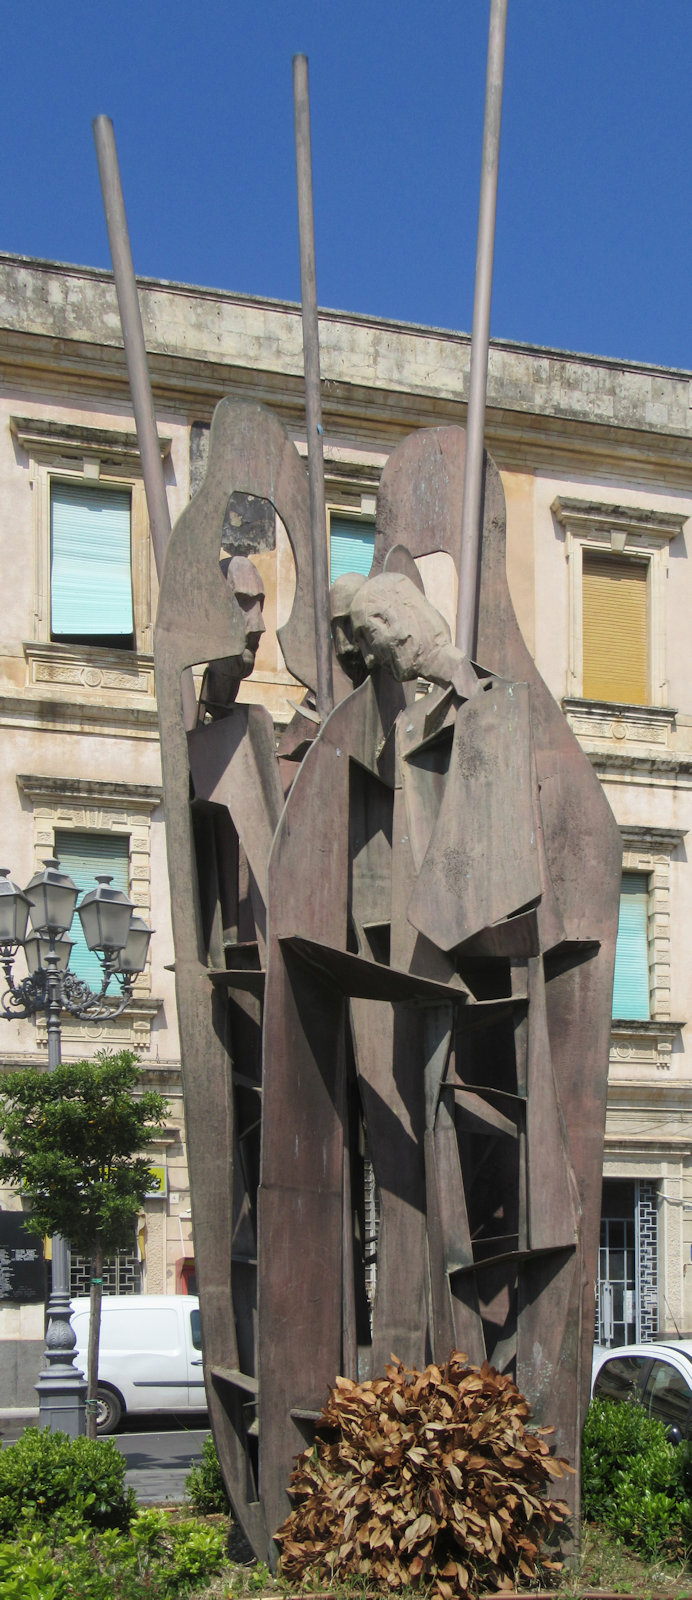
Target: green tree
x,y
73,1141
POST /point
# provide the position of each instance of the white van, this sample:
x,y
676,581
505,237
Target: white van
x,y
150,1354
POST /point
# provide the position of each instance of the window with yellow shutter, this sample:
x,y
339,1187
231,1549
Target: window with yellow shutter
x,y
614,612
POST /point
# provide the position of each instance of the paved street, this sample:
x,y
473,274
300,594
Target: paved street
x,y
158,1461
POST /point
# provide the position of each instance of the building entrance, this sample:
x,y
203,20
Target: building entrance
x,y
627,1300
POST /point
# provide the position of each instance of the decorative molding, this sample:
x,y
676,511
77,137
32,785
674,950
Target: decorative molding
x,y
47,790
643,1044
595,521
667,771
73,442
604,719
644,534
350,479
132,1027
50,713
89,667
662,840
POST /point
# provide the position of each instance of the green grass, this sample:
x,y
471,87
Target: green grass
x,y
607,1564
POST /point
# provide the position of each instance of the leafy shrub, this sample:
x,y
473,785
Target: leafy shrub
x,y
160,1558
29,1572
204,1485
632,1479
80,1481
423,1478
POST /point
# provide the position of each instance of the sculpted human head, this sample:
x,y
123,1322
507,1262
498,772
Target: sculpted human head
x,y
396,627
222,678
341,596
244,581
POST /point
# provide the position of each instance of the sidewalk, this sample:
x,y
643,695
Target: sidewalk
x,y
14,1419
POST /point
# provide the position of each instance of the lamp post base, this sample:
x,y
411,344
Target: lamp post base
x,y
61,1389
62,1400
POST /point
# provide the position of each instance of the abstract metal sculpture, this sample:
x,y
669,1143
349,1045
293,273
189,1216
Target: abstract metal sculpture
x,y
437,900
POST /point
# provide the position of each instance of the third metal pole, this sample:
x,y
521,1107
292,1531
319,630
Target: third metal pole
x,y
313,400
475,425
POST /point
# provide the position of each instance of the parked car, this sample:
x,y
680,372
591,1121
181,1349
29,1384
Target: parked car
x,y
658,1375
150,1354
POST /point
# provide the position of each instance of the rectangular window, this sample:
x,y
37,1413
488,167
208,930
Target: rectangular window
x,y
351,545
615,629
631,987
91,565
82,855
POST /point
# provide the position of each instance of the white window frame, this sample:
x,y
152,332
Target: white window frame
x,y
629,531
631,864
648,852
91,806
67,453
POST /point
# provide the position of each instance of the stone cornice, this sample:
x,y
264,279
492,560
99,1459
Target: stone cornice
x,y
109,446
622,1027
605,710
602,520
56,715
665,770
49,790
191,389
380,378
662,839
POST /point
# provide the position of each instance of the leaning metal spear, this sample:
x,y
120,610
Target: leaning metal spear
x,y
137,369
475,422
313,402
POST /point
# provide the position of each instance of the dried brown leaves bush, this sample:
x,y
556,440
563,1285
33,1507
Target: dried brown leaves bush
x,y
425,1479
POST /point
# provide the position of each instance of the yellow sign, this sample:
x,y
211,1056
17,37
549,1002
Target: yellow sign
x,y
158,1188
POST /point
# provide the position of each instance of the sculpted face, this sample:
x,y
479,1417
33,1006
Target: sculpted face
x,y
247,586
341,596
397,628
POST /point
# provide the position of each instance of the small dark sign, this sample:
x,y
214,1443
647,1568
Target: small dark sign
x,y
22,1270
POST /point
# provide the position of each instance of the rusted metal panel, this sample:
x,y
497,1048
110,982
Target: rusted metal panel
x,y
441,909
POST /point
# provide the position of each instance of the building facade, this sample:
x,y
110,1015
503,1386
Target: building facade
x,y
596,461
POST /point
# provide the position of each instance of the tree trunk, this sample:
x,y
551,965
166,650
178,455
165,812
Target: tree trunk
x,y
95,1295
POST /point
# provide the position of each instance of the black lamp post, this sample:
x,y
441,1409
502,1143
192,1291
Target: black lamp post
x,y
121,942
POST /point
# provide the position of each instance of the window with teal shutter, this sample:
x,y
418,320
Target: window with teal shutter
x,y
351,544
83,855
631,986
91,565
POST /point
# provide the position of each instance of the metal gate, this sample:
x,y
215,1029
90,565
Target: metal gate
x,y
627,1300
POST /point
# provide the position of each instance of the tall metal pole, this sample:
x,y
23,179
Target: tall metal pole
x,y
313,400
475,425
61,1387
136,358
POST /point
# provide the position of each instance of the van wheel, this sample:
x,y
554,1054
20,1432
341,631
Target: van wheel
x,y
109,1410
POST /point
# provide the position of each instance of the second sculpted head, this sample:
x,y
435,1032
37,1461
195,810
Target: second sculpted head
x,y
341,597
396,627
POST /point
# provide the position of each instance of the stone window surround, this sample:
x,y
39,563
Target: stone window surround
x,y
649,851
85,805
67,452
623,530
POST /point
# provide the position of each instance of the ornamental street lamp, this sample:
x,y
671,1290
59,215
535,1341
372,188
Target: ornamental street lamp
x,y
121,942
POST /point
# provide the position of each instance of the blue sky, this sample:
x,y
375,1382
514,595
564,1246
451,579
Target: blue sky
x,y
594,217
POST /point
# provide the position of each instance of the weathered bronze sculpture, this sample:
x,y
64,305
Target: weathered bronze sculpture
x,y
437,900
